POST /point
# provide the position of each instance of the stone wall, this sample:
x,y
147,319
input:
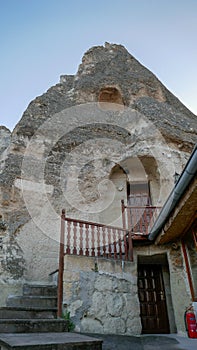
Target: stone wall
x,y
102,298
180,291
102,295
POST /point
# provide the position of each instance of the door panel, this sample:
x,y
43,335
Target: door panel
x,y
152,299
138,197
138,194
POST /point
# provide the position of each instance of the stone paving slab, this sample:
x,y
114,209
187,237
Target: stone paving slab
x,y
146,342
49,341
91,341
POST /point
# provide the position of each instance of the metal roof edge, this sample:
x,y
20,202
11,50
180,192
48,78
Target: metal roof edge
x,y
184,180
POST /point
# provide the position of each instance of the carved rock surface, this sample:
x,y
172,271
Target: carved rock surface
x,y
112,65
105,72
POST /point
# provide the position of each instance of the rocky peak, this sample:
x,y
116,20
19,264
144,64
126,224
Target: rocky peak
x,y
111,70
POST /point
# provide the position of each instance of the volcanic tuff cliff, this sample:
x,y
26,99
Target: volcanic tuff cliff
x,y
102,67
109,65
112,65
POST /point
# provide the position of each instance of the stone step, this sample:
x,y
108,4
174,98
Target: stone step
x,y
39,290
27,312
49,341
32,301
33,325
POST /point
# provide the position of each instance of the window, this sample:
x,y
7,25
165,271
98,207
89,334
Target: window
x,y
109,96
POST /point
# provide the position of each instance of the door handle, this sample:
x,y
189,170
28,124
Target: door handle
x,y
162,295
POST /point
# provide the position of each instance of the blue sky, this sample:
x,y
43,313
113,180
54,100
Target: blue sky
x,y
42,39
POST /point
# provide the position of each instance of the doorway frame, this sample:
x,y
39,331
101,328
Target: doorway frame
x,y
161,259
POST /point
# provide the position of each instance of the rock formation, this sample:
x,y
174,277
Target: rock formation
x,y
107,74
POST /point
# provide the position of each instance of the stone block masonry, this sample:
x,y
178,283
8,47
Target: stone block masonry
x,y
101,295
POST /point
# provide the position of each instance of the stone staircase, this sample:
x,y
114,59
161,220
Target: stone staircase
x,y
34,311
29,322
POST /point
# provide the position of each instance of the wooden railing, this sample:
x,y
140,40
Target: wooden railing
x,y
139,219
84,238
94,239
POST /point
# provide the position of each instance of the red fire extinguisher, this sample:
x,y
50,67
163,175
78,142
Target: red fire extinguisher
x,y
190,322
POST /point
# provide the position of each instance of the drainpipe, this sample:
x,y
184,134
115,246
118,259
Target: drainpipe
x,y
184,180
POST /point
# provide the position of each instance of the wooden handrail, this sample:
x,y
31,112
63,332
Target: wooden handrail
x,y
142,207
94,224
93,239
139,218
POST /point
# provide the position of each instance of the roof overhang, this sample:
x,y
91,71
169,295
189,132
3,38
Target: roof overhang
x,y
179,210
181,218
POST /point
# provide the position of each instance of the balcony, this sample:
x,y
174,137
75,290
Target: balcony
x,y
87,238
139,219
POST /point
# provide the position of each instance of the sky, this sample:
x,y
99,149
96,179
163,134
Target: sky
x,y
43,39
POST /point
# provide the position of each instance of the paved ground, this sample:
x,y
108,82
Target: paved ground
x,y
146,342
110,342
48,341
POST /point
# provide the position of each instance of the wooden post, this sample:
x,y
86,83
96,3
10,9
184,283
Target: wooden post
x,y
130,246
104,241
187,265
195,238
120,244
109,241
75,238
124,227
81,239
86,238
98,240
115,242
123,214
92,253
61,266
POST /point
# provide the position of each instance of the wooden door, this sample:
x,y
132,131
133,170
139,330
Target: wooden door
x,y
138,197
152,299
138,193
